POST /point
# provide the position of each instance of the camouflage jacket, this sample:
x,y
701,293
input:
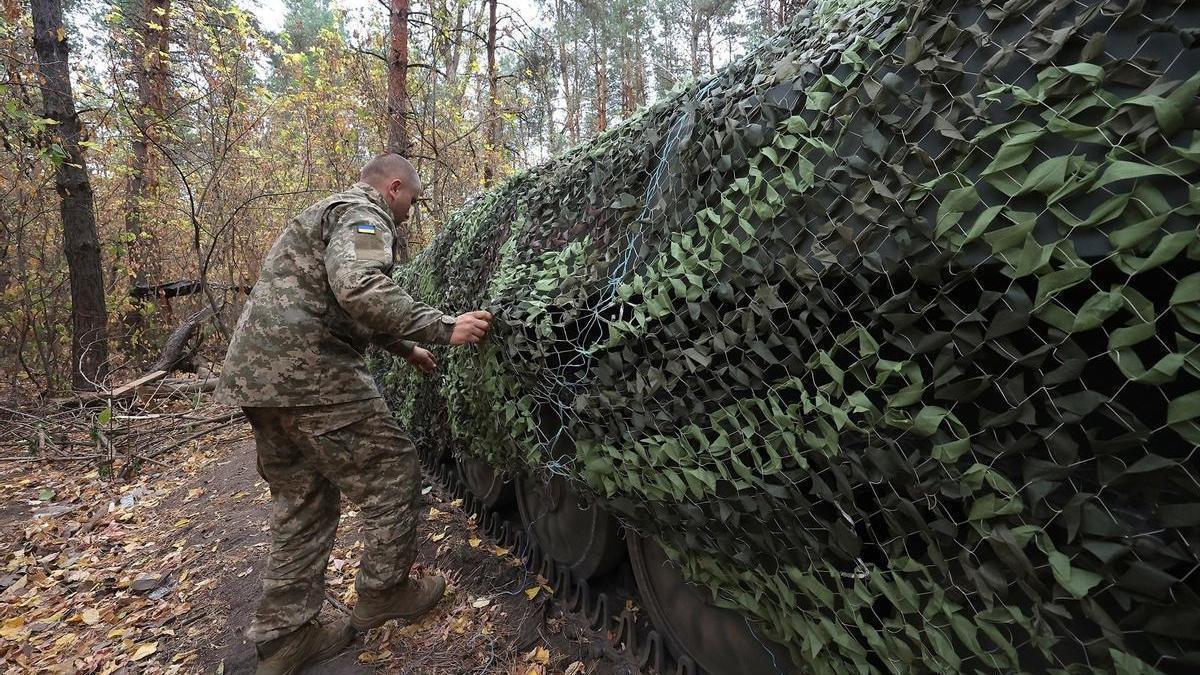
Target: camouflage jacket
x,y
325,293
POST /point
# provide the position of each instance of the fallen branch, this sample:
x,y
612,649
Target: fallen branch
x,y
333,600
175,352
130,386
218,422
178,386
53,458
124,390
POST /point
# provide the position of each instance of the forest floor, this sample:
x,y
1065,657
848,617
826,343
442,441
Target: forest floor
x,y
160,573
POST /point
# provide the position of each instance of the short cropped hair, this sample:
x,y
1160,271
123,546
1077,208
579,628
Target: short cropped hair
x,y
387,166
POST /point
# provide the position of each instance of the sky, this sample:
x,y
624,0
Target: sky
x,y
270,12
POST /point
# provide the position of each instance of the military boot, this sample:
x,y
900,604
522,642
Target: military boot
x,y
311,643
408,600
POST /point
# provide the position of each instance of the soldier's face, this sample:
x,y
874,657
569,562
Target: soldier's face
x,y
401,196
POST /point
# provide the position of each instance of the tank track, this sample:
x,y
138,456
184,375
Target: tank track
x,y
628,635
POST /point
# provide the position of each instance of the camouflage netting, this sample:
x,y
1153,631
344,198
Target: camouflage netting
x,y
888,332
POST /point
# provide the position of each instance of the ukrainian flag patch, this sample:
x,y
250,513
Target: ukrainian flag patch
x,y
365,228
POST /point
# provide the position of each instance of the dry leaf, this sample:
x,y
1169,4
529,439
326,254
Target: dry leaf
x,y
576,668
532,591
438,537
433,513
143,650
374,657
501,551
541,655
481,603
474,542
91,616
62,34
64,640
11,627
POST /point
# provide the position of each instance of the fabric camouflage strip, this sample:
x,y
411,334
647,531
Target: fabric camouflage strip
x,y
888,332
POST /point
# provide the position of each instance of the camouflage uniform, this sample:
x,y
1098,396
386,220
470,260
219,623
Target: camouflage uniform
x,y
296,365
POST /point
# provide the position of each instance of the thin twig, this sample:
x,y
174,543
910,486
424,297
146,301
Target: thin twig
x,y
219,422
341,606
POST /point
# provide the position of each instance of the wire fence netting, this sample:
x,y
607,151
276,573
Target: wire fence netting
x,y
887,332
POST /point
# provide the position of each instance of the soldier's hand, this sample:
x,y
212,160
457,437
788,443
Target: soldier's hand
x,y
471,327
421,359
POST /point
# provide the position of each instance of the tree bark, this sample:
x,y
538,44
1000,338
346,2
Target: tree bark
x,y
491,165
81,246
149,56
601,72
627,104
708,36
174,351
570,95
694,44
397,124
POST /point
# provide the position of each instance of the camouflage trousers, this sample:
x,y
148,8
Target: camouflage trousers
x,y
310,456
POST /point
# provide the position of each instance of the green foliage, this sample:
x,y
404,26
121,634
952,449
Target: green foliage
x,y
887,332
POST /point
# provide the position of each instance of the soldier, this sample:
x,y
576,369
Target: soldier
x,y
296,366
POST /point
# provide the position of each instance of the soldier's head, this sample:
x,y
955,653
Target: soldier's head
x,y
396,179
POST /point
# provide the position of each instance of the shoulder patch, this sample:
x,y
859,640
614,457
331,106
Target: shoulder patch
x,y
364,228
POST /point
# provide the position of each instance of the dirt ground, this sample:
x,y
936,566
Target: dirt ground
x,y
160,574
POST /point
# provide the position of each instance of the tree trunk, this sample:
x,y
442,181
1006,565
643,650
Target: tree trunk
x,y
150,50
81,246
627,84
601,72
493,106
708,35
571,114
694,43
397,101
639,89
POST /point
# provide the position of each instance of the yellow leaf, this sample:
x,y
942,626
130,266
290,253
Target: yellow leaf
x,y
62,34
91,617
65,640
501,551
433,513
375,657
439,536
541,655
474,542
143,650
11,627
532,591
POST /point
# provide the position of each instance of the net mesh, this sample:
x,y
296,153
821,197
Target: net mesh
x,y
887,332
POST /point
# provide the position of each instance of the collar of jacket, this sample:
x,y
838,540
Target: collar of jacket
x,y
374,195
